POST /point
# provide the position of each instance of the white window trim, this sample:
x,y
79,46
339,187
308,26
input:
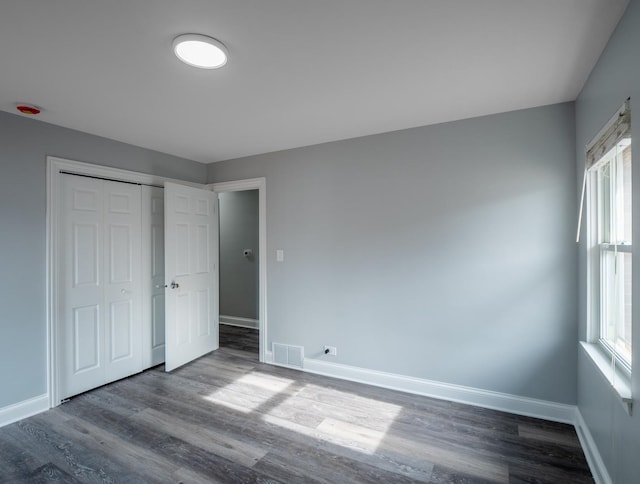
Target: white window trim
x,y
619,380
618,375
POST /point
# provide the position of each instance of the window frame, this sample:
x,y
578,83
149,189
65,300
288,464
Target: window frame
x,y
596,248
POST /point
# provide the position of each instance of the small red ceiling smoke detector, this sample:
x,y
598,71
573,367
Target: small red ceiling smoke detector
x,y
26,109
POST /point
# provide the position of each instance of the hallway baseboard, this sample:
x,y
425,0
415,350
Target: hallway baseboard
x,y
241,322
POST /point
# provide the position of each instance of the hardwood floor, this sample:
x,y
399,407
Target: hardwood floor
x,y
228,418
236,337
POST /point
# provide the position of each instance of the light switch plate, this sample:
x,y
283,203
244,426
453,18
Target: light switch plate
x,y
280,255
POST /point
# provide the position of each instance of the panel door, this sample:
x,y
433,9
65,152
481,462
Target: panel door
x,y
81,324
99,283
123,280
153,275
191,270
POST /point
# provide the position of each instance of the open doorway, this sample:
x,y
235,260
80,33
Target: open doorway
x,y
239,270
242,328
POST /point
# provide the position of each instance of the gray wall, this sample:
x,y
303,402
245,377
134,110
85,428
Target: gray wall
x,y
24,145
444,252
239,274
615,77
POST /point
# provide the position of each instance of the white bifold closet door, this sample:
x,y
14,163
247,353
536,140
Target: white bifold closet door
x,y
191,269
100,319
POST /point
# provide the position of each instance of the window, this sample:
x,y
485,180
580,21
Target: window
x,y
610,224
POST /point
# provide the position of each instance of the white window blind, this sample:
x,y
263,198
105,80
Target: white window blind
x,y
618,127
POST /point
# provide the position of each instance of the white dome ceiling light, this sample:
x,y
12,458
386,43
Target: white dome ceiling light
x,y
200,51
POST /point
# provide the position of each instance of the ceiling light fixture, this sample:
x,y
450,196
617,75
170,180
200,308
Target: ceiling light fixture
x,y
200,51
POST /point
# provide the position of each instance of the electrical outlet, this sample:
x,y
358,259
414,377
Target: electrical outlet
x,y
330,350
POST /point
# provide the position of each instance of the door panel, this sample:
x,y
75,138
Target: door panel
x,y
85,254
182,252
81,329
202,305
182,319
191,252
202,249
157,341
122,328
99,283
119,203
120,253
87,198
123,286
87,340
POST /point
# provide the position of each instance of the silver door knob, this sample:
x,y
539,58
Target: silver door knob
x,y
174,285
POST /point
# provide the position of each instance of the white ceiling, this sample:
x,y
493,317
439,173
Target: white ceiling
x,y
300,72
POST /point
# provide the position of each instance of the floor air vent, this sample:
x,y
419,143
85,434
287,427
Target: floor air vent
x,y
288,355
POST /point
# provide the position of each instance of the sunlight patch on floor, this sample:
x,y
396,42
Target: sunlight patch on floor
x,y
337,409
249,392
358,408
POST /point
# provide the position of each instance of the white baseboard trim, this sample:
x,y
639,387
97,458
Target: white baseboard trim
x,y
268,357
241,322
504,402
594,459
24,409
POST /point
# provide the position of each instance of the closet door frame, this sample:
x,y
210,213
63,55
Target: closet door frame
x,y
54,203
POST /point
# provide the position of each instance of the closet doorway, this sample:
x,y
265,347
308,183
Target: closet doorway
x,y
154,334
132,277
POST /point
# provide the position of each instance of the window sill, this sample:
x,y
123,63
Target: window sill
x,y
619,381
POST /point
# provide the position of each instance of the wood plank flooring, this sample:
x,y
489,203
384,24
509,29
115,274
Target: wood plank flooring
x,y
239,338
228,418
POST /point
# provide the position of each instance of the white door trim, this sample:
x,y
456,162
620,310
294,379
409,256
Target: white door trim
x,y
54,166
260,185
